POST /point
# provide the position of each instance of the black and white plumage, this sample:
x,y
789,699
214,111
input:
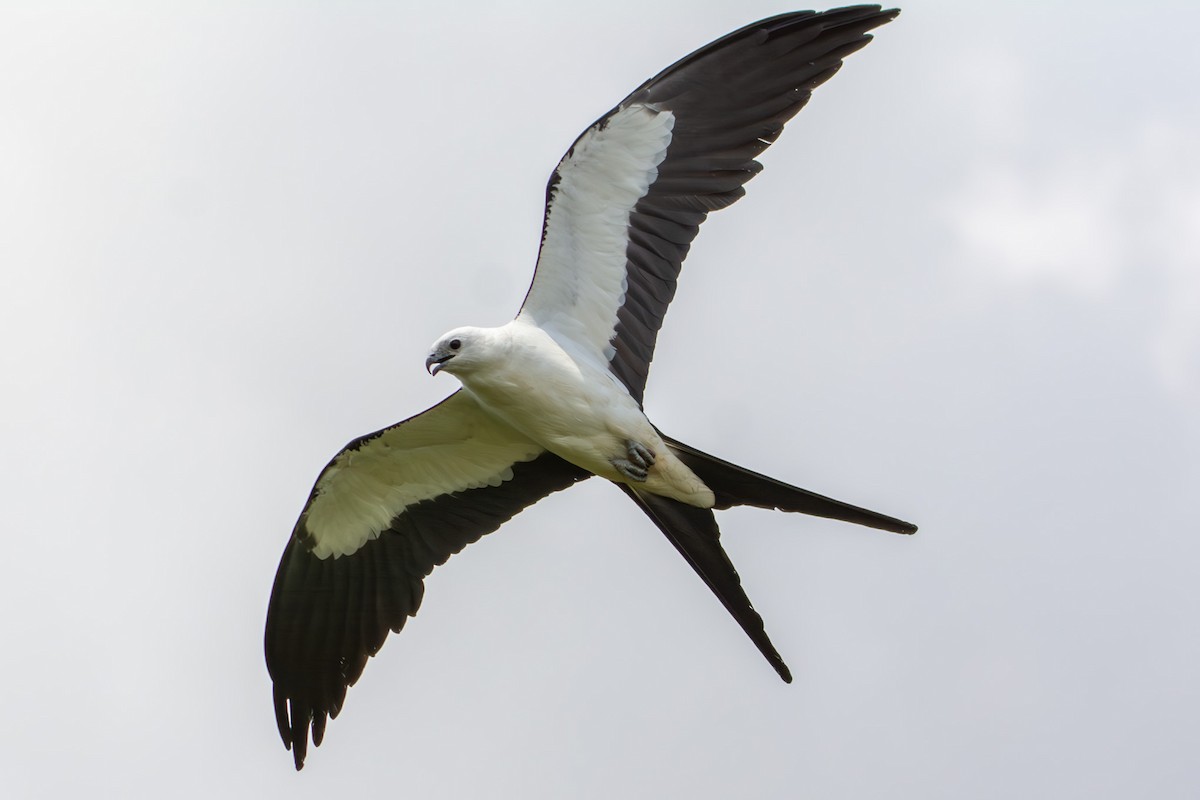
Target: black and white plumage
x,y
555,396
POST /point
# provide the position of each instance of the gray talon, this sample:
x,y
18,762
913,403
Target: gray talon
x,y
629,469
640,460
640,454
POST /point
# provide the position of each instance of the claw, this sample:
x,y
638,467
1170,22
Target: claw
x,y
636,467
640,454
629,469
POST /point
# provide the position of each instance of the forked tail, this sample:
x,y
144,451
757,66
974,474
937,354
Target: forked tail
x,y
694,532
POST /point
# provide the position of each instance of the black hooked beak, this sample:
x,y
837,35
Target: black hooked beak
x,y
433,363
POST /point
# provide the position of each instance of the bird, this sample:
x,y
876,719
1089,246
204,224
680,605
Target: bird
x,y
555,396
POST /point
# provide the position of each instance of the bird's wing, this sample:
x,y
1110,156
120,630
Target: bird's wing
x,y
627,199
386,510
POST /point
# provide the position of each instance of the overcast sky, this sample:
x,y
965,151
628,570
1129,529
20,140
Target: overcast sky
x,y
965,291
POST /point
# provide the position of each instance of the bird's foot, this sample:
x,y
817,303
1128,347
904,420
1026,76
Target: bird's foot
x,y
640,454
640,460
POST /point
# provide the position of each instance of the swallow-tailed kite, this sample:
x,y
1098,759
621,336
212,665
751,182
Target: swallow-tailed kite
x,y
555,396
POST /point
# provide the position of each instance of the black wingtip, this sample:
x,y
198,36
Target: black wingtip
x,y
294,741
298,725
300,751
300,747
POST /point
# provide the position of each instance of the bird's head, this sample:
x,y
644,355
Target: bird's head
x,y
458,351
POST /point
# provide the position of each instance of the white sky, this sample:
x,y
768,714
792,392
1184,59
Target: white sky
x,y
965,291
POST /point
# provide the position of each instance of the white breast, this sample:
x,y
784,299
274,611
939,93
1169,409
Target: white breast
x,y
576,409
573,408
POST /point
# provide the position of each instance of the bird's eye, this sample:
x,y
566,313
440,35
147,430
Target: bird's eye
x,y
455,344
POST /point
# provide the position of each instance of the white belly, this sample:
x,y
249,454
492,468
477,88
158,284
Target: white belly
x,y
581,414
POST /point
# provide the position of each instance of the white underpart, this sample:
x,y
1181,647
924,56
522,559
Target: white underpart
x,y
580,281
451,447
571,406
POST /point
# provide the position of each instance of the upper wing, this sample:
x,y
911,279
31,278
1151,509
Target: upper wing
x,y
386,510
627,199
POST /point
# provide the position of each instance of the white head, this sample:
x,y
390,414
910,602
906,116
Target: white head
x,y
460,351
